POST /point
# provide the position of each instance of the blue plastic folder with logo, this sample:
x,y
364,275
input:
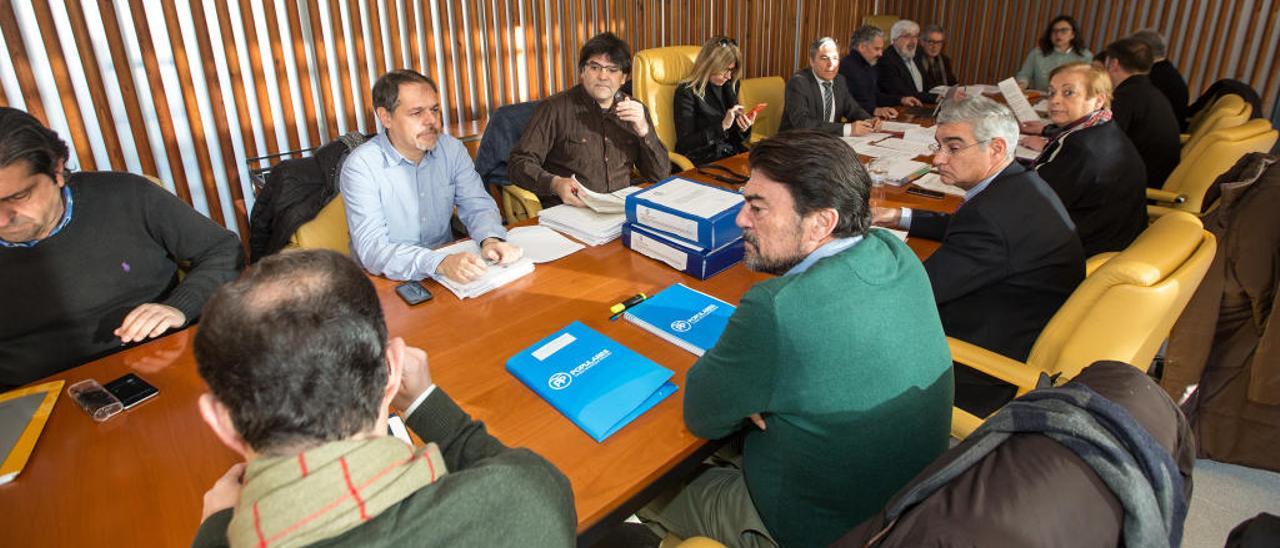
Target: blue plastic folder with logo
x,y
597,383
685,317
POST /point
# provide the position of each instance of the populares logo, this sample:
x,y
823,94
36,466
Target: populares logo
x,y
562,380
683,326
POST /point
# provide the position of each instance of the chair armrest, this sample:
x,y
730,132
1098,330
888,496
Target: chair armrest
x,y
963,423
1184,137
699,542
680,161
1096,261
519,204
1154,212
1165,196
1001,367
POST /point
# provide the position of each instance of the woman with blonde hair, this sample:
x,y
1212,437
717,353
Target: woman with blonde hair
x,y
710,124
1090,162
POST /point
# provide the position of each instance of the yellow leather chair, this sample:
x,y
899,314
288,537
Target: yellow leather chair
x,y
884,22
519,204
654,75
1122,311
327,231
765,89
1212,156
1228,111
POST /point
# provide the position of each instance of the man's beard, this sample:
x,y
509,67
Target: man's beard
x,y
777,266
908,53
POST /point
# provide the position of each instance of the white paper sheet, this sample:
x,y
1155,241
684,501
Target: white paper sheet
x,y
541,244
926,135
495,275
1024,153
915,148
1018,101
601,202
898,127
700,200
895,170
933,181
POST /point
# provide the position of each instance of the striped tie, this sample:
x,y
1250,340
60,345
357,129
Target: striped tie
x,y
827,107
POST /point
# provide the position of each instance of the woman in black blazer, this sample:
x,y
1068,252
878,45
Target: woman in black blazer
x,y
710,124
1090,162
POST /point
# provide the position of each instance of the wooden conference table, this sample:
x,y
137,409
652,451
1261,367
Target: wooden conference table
x,y
139,478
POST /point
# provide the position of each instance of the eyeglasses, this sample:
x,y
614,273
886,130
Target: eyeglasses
x,y
1062,30
953,149
607,69
726,42
932,42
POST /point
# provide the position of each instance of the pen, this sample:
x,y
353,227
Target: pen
x,y
621,307
919,173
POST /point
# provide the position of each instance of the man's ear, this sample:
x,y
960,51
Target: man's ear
x,y
998,149
383,115
395,369
218,417
821,223
59,177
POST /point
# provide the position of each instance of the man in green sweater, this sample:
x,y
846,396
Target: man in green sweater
x,y
300,372
837,371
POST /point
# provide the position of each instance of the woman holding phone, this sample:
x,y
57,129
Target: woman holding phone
x,y
710,124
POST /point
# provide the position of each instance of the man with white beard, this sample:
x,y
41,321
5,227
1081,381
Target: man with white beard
x,y
402,186
901,80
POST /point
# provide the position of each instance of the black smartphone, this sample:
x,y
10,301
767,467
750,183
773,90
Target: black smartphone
x,y
413,293
925,192
131,390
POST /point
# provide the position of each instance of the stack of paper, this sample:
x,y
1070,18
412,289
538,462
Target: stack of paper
x,y
588,225
495,276
541,244
933,182
896,170
914,148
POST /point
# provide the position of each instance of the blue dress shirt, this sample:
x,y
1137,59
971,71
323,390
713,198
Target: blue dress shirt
x,y
398,211
825,250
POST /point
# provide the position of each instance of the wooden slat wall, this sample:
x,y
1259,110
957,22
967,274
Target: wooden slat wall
x,y
1208,39
188,90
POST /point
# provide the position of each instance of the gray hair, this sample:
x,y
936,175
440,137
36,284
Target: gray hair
x,y
902,27
1154,40
817,44
932,28
864,34
989,119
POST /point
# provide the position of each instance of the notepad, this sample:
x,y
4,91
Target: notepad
x,y
682,316
23,413
592,380
495,275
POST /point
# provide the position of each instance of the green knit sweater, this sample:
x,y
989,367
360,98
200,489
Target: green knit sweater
x,y
848,364
492,495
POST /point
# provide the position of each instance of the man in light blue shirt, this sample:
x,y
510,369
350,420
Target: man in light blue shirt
x,y
402,186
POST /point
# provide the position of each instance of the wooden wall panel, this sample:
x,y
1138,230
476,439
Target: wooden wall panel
x,y
275,74
1208,39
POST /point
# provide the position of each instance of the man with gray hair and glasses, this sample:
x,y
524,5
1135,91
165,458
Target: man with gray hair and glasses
x,y
936,66
1165,76
1010,255
901,80
818,97
866,46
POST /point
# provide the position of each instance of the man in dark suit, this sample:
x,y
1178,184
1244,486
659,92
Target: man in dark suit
x,y
1165,76
859,71
818,97
1010,255
1141,110
936,66
900,79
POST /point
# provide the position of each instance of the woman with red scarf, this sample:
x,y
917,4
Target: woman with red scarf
x,y
1089,162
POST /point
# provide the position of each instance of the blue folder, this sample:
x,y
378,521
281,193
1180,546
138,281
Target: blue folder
x,y
685,317
597,383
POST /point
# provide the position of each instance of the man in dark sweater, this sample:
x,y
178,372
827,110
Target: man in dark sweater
x,y
300,372
90,260
1141,110
836,372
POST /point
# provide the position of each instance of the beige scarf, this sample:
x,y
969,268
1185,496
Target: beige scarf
x,y
329,490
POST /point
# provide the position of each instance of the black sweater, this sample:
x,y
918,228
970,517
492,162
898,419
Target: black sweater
x,y
64,296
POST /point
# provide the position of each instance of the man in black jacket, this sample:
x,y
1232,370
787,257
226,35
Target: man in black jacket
x,y
866,47
900,79
818,97
1010,255
936,66
1141,110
